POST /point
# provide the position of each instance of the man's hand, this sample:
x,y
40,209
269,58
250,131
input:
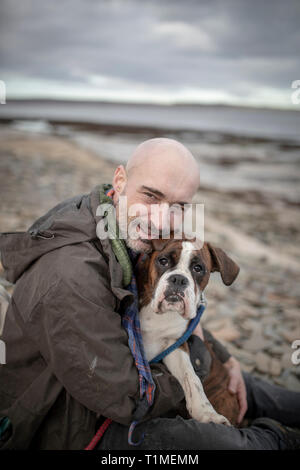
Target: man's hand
x,y
237,385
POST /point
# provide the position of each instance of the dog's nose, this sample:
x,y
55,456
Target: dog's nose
x,y
178,281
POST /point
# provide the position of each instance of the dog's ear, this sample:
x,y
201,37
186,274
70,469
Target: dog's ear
x,y
223,264
141,272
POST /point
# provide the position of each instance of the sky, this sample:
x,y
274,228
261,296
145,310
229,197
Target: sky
x,y
235,52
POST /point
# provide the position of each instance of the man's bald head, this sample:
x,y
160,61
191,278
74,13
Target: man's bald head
x,y
163,153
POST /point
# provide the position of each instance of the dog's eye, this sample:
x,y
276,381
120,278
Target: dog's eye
x,y
163,261
198,268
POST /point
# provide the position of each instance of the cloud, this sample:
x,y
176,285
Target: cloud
x,y
224,49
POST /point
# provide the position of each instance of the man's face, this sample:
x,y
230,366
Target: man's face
x,y
155,204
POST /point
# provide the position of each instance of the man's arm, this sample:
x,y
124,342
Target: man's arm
x,y
87,349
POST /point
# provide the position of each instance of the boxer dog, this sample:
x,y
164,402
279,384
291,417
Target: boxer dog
x,y
170,282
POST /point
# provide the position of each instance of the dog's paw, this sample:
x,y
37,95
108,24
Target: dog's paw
x,y
213,417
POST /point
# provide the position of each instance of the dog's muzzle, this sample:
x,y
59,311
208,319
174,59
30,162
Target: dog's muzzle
x,y
177,283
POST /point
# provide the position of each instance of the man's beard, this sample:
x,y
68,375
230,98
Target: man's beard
x,y
138,245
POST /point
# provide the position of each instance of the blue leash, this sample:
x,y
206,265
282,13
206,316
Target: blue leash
x,y
192,325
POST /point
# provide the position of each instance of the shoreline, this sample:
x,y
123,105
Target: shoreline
x,y
286,143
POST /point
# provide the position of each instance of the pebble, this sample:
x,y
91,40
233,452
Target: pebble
x,y
257,342
267,364
286,360
262,362
290,335
227,333
247,311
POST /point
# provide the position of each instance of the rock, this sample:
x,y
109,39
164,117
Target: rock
x,y
276,350
269,332
247,311
244,356
262,361
214,324
250,325
267,364
275,367
224,330
257,342
286,360
292,314
254,299
225,310
290,334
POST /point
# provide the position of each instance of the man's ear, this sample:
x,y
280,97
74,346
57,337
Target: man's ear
x,y
223,264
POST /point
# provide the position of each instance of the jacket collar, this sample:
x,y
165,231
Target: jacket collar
x,y
117,264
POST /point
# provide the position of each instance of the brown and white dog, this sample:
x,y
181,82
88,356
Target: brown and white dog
x,y
170,282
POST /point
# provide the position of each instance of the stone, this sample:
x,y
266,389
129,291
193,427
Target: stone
x,y
247,311
241,354
249,325
262,362
275,367
225,310
269,332
276,350
292,314
257,342
290,334
254,299
286,360
224,330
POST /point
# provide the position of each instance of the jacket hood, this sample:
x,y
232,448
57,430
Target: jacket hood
x,y
72,221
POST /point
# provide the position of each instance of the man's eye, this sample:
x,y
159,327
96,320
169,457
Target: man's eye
x,y
150,195
198,268
163,261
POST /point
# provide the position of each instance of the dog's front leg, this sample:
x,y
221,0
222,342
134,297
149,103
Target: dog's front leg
x,y
179,364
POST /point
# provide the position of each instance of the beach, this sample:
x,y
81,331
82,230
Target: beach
x,y
251,201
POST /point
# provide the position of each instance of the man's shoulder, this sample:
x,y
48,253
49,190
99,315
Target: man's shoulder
x,y
77,268
79,261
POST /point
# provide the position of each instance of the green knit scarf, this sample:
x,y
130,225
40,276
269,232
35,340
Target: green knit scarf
x,y
118,244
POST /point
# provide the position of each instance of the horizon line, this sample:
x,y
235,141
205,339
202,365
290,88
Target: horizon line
x,y
151,102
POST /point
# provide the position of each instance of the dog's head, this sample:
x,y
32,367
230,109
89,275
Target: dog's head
x,y
175,274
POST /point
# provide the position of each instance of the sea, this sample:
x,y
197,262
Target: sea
x,y
238,148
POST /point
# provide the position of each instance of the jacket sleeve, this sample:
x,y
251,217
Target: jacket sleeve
x,y
221,352
87,349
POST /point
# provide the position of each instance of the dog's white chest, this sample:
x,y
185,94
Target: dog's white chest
x,y
159,331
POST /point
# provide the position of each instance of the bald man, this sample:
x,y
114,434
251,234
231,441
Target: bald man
x,y
69,364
